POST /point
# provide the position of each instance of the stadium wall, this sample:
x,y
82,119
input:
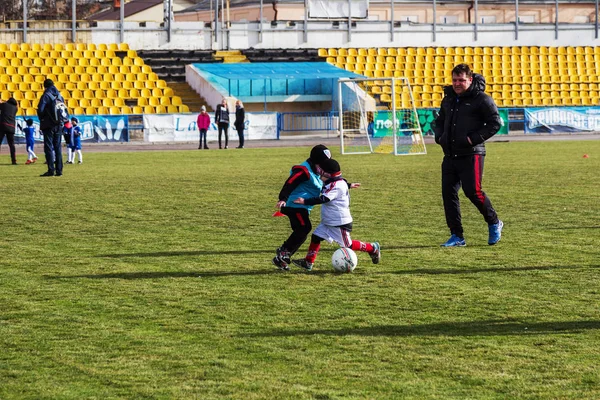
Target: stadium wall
x,y
194,35
191,36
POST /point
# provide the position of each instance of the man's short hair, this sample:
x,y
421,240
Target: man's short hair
x,y
48,83
462,69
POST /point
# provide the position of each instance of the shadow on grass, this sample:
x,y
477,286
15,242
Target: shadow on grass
x,y
179,253
181,274
564,228
473,328
441,271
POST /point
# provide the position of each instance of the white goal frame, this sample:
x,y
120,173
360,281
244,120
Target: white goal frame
x,y
416,133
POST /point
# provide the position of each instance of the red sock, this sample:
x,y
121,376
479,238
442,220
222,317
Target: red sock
x,y
357,245
313,250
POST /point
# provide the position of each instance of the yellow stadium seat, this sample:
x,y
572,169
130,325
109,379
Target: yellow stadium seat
x,y
184,109
114,110
161,109
172,109
176,101
162,84
168,92
323,53
153,101
165,101
149,110
142,101
123,46
103,111
90,110
137,110
134,93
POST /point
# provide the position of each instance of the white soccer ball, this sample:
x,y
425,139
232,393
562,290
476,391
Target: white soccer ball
x,y
344,260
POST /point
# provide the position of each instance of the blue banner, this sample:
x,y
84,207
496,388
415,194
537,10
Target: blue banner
x,y
94,128
562,119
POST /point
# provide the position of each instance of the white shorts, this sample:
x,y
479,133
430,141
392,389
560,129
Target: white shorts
x,y
334,234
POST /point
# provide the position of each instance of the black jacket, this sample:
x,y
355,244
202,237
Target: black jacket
x,y
46,100
222,115
8,113
240,116
473,115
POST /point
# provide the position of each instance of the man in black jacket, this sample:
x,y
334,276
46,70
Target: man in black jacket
x,y
52,132
468,117
8,113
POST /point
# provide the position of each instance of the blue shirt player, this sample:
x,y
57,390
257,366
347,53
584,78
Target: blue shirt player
x,y
29,131
76,141
304,181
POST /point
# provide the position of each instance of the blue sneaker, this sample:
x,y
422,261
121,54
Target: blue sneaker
x,y
455,241
376,254
495,233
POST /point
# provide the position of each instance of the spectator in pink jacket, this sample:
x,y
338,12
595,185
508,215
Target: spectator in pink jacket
x,y
203,124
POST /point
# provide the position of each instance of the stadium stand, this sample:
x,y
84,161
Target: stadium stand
x,y
516,76
97,79
282,55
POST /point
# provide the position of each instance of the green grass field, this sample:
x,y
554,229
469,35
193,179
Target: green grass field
x,y
148,275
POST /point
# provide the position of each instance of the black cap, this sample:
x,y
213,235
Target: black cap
x,y
319,153
74,119
48,83
330,166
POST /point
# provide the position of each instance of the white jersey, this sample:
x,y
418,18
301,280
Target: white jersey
x,y
336,212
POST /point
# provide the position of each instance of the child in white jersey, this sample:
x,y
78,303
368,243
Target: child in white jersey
x,y
336,220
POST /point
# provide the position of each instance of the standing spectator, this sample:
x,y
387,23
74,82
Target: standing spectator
x,y
240,119
29,131
50,129
222,120
8,114
203,125
468,117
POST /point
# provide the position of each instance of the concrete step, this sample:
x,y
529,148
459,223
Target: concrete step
x,y
189,96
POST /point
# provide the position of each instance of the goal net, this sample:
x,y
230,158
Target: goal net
x,y
377,115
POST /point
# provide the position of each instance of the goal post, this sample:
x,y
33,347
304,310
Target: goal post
x,y
378,115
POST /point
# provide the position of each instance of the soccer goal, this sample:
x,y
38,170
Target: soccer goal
x,y
378,115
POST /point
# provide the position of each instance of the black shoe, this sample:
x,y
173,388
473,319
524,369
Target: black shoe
x,y
14,163
240,147
220,148
304,264
205,147
282,265
58,174
226,147
284,255
47,174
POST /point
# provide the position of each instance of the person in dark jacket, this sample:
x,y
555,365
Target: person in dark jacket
x,y
8,114
222,121
52,132
240,119
467,118
304,181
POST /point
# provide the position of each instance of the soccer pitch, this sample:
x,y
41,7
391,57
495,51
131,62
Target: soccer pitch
x,y
148,275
